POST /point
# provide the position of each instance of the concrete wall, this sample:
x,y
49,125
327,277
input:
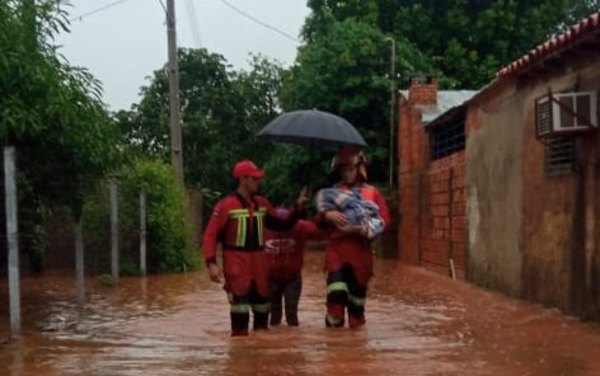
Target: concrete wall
x,y
530,234
494,181
560,236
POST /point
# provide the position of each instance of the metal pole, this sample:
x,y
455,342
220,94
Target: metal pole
x,y
143,232
114,231
174,100
392,112
450,220
12,234
79,261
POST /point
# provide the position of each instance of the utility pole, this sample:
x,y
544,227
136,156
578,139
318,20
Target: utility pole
x,y
174,101
392,112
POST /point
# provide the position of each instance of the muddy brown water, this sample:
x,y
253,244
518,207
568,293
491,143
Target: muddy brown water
x,y
418,323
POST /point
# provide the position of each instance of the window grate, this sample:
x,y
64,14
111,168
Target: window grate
x,y
447,139
559,156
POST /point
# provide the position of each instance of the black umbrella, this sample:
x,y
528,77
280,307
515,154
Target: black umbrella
x,y
312,128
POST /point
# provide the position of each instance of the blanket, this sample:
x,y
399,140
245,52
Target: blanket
x,y
363,215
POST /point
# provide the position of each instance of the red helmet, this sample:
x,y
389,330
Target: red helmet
x,y
351,156
348,156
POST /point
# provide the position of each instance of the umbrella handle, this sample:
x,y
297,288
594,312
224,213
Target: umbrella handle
x,y
310,165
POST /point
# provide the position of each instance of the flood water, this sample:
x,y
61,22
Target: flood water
x,y
418,323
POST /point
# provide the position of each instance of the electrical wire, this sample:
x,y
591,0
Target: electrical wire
x,y
98,10
163,6
256,20
194,25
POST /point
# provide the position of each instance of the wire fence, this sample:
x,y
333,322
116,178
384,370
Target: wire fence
x,y
124,228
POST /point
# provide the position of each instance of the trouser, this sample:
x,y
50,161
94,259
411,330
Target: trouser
x,y
289,291
344,292
240,306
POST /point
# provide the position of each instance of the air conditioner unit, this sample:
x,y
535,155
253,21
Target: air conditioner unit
x,y
566,113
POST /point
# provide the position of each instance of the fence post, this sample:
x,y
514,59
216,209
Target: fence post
x,y
143,233
114,230
12,234
79,261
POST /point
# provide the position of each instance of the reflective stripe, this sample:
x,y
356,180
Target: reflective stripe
x,y
337,286
240,239
238,212
360,302
261,308
240,215
238,232
332,320
239,308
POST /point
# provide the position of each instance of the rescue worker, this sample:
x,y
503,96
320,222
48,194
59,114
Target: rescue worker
x,y
348,256
286,252
238,222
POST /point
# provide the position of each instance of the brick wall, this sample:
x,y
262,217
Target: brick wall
x,y
413,144
409,217
432,194
412,147
443,215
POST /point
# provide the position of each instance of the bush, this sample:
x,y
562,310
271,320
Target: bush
x,y
167,230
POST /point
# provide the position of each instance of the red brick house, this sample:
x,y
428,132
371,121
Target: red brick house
x,y
529,171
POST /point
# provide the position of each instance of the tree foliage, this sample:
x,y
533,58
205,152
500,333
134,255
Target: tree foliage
x,y
222,110
166,227
52,113
468,40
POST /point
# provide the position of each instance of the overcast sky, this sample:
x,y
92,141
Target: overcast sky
x,y
124,44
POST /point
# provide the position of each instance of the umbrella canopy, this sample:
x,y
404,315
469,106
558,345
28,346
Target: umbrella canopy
x,y
312,128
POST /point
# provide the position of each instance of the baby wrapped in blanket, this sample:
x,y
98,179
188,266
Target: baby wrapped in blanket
x,y
363,215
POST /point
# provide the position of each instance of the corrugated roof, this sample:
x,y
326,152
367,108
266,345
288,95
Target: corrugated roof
x,y
446,100
560,42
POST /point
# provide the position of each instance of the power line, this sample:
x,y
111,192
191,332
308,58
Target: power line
x,y
98,10
261,23
163,6
193,20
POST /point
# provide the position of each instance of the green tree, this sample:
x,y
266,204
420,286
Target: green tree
x,y
51,112
222,111
468,40
326,12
